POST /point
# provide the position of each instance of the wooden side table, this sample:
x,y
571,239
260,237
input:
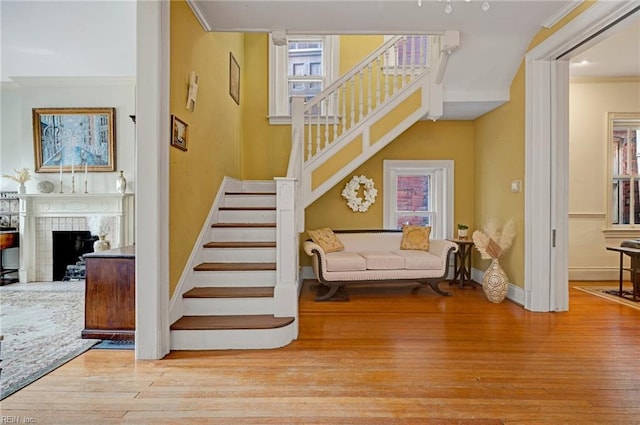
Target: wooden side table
x,y
462,263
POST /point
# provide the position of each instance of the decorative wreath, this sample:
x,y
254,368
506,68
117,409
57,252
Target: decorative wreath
x,y
350,193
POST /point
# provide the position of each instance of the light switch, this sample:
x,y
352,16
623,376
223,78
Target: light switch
x,y
516,186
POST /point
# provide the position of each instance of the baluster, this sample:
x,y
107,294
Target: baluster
x,y
336,99
425,51
405,50
344,108
379,74
309,137
353,102
361,97
370,90
412,57
385,74
318,130
326,121
395,68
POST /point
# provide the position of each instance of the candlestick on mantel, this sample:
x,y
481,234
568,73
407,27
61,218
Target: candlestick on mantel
x,y
85,177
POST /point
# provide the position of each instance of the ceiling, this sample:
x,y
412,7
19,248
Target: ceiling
x,y
480,71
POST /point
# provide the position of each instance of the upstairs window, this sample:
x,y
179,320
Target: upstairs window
x,y
304,66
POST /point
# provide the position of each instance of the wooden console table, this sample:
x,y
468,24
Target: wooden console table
x,y
110,297
8,239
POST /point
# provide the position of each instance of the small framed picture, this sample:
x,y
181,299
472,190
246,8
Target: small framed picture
x,y
234,78
179,133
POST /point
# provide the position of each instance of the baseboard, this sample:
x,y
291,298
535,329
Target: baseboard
x,y
594,273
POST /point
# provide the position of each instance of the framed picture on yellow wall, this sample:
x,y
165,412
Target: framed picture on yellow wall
x,y
179,133
234,78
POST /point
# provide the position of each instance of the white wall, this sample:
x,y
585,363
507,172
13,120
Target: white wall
x,y
16,145
589,103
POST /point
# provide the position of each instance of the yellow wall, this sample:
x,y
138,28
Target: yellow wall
x,y
215,129
267,147
499,159
425,140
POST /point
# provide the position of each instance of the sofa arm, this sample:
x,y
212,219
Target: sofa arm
x,y
319,260
441,247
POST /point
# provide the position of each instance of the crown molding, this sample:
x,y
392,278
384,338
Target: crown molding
x,y
25,82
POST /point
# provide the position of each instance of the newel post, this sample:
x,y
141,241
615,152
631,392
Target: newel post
x,y
286,289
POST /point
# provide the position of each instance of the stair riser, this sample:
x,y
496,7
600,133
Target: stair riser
x,y
258,186
233,339
249,201
247,216
234,278
242,234
227,306
238,255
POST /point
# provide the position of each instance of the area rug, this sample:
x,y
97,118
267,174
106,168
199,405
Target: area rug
x,y
607,292
114,345
41,325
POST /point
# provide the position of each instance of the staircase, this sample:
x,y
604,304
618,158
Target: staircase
x,y
242,285
231,301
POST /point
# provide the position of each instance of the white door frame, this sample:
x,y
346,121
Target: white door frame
x,y
152,179
546,153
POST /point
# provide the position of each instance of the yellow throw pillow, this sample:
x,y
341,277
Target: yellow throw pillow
x,y
415,237
327,240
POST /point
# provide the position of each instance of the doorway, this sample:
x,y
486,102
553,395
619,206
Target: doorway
x,y
546,147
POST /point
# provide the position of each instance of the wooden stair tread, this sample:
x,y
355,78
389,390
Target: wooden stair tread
x,y
256,244
257,225
230,292
250,193
247,208
211,267
260,321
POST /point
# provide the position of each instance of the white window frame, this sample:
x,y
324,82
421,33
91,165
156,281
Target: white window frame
x,y
619,230
442,186
278,81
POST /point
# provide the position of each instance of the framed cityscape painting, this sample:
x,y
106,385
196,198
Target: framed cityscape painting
x,y
68,139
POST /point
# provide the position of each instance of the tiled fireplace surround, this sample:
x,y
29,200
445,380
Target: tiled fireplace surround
x,y
41,215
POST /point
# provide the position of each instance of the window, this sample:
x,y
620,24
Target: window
x,y
623,163
413,50
303,67
420,193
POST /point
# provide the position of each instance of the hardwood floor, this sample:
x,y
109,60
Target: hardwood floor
x,y
385,357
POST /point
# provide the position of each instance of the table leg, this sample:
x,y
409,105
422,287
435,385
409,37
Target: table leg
x,y
621,269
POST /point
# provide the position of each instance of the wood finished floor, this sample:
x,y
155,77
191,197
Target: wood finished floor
x,y
386,357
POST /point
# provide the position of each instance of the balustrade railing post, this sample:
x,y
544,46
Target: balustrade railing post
x,y
287,254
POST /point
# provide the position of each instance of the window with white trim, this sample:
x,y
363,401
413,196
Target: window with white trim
x,y
304,66
419,193
624,156
412,50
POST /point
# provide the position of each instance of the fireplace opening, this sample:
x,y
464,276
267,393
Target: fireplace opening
x,y
68,248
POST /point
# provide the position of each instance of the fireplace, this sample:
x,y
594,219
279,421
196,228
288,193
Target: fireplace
x,y
68,248
43,214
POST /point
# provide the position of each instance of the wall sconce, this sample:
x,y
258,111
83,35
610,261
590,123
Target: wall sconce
x,y
193,92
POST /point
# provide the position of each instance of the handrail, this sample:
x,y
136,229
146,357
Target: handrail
x,y
355,70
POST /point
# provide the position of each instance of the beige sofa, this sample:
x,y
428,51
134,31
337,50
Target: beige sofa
x,y
375,256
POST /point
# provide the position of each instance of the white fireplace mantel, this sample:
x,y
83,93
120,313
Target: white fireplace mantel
x,y
40,214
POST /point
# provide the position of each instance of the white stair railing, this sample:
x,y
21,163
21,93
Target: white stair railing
x,y
361,91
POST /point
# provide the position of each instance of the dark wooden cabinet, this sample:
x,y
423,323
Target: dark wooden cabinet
x,y
110,296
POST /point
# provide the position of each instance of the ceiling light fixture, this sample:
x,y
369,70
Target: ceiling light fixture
x,y
449,7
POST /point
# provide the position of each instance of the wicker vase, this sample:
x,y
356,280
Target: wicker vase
x,y
495,282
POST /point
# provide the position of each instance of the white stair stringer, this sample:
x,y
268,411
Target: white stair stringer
x,y
237,203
